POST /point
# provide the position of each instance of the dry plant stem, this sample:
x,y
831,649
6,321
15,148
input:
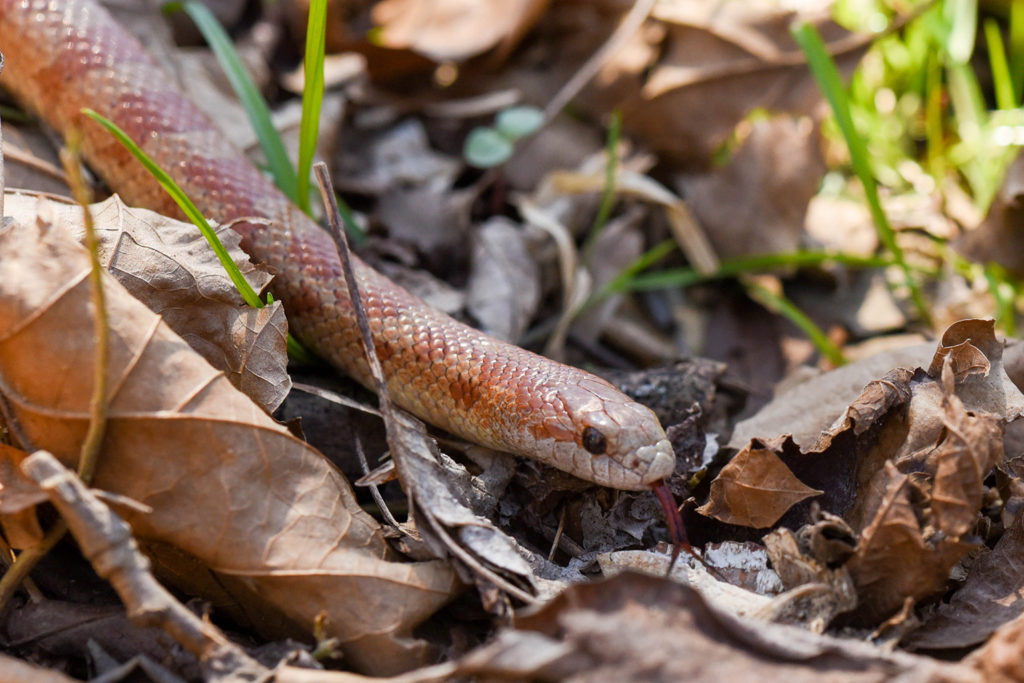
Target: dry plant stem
x,y
334,221
7,558
636,17
27,561
558,536
71,159
107,542
458,551
29,160
374,489
89,454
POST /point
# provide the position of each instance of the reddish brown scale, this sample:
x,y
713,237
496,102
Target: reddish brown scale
x,y
63,55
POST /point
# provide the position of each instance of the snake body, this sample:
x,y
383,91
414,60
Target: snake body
x,y
63,55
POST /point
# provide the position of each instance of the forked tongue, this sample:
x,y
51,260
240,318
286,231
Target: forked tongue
x,y
674,521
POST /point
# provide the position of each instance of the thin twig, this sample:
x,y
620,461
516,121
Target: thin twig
x,y
341,242
106,541
27,561
374,489
98,407
558,536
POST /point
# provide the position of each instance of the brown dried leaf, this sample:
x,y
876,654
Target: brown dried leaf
x,y
274,523
635,627
17,492
166,264
998,238
992,596
809,408
454,30
757,203
503,291
755,489
972,446
896,557
718,62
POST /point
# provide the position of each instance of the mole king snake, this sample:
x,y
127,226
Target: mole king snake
x,y
63,55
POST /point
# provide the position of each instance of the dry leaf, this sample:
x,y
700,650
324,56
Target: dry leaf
x,y
277,526
807,409
757,203
717,62
755,489
896,557
972,446
454,30
169,266
635,627
503,291
993,595
998,239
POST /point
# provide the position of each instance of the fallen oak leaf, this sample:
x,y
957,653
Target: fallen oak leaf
x,y
168,265
896,556
755,489
274,523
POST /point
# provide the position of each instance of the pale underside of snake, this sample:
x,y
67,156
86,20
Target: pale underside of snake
x,y
64,55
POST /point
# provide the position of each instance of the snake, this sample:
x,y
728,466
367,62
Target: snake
x,y
65,55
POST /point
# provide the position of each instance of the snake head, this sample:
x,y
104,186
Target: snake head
x,y
596,432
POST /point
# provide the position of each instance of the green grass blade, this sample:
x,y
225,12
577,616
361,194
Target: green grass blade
x,y
611,172
686,277
621,282
1003,85
1017,48
831,84
312,97
280,166
784,307
182,200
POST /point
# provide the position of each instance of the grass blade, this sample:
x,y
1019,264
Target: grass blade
x,y
1003,86
780,304
831,84
182,200
255,106
611,172
1017,48
312,97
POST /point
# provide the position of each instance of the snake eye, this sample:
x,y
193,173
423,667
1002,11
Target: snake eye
x,y
594,441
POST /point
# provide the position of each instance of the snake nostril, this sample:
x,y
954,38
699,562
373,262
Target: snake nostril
x,y
594,441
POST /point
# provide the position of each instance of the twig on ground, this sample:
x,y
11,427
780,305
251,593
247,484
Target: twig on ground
x,y
107,542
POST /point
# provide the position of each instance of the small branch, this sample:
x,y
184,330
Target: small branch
x,y
107,542
334,221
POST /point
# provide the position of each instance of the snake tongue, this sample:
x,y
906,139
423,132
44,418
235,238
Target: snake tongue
x,y
674,521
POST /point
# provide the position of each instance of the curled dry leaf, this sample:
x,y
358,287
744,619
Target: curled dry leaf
x,y
273,523
755,489
906,466
442,492
897,556
168,265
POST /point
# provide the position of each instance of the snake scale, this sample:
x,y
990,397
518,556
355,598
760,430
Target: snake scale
x,y
63,55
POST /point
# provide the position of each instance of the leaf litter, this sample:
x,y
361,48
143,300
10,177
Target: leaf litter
x,y
878,501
